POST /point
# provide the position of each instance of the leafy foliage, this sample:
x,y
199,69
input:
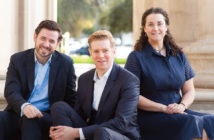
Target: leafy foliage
x,y
119,18
77,16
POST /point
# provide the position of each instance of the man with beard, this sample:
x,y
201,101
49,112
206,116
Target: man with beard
x,y
36,78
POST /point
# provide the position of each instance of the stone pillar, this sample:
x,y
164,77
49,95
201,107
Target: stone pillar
x,y
202,53
34,13
183,17
195,33
19,20
8,32
191,24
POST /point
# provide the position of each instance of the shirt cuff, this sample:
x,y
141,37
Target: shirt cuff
x,y
22,107
82,137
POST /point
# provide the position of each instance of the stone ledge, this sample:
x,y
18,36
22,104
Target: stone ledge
x,y
2,75
203,106
204,95
3,103
204,101
201,95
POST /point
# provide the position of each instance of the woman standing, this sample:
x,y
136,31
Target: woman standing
x,y
164,71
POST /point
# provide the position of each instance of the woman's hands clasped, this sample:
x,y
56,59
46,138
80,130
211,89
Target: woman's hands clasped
x,y
174,108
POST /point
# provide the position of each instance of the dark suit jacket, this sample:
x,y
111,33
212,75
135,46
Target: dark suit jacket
x,y
20,79
118,104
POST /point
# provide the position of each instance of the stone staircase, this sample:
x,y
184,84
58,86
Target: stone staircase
x,y
204,99
2,83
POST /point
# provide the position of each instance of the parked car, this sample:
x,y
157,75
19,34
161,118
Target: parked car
x,y
81,51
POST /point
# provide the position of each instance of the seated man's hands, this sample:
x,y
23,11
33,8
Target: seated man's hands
x,y
31,111
63,133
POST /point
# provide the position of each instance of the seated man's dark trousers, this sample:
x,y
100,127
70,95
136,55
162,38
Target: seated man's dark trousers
x,y
63,114
14,127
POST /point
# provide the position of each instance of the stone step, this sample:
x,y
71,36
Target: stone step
x,y
3,104
2,84
204,99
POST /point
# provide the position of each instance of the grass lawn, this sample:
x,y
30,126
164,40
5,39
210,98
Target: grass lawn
x,y
87,59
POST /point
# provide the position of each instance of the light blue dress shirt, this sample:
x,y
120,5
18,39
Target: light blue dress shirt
x,y
39,95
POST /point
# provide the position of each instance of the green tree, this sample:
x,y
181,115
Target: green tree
x,y
76,15
119,18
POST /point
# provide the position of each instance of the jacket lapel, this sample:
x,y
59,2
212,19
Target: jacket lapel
x,y
109,84
90,91
30,70
53,72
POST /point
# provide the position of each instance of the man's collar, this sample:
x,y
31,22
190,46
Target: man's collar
x,y
106,75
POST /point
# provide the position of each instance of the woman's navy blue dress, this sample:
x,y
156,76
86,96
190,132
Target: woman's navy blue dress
x,y
161,79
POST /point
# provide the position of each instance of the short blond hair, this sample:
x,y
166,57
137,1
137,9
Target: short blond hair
x,y
101,35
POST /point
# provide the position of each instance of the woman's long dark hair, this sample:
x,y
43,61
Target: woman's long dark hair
x,y
168,37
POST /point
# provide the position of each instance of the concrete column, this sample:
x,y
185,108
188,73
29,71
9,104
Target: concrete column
x,y
199,44
206,20
138,8
35,12
52,9
184,16
19,20
8,32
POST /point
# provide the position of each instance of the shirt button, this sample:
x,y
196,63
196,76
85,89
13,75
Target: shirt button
x,y
87,120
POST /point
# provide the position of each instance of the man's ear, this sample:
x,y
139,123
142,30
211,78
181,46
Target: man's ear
x,y
89,51
58,43
114,50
